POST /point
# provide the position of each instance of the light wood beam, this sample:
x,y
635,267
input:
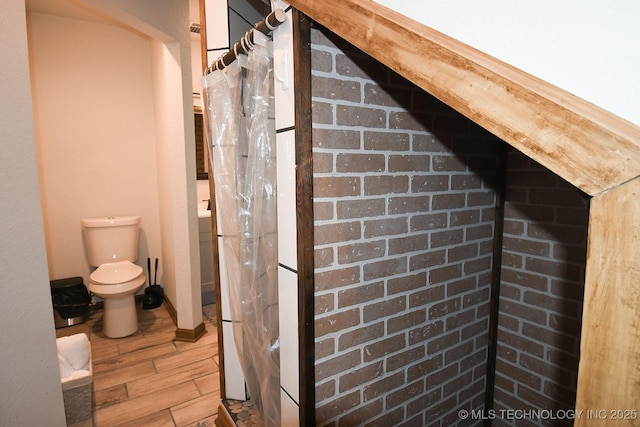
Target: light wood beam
x,y
589,147
609,370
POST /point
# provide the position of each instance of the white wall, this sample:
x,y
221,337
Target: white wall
x,y
217,15
589,48
166,22
30,393
96,134
177,188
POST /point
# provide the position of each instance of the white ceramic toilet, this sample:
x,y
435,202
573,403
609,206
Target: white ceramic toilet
x,y
112,247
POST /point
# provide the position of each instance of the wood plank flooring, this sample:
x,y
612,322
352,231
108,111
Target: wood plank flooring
x,y
147,379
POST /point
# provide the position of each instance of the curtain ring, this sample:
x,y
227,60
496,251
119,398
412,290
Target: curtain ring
x,y
222,62
246,44
248,37
269,26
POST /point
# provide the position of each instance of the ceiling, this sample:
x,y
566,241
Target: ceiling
x,y
77,9
74,9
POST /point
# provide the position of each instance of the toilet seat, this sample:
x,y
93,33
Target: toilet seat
x,y
113,273
121,277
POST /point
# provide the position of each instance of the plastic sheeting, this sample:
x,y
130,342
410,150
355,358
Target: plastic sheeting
x,y
241,139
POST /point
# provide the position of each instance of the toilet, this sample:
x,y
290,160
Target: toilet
x,y
112,247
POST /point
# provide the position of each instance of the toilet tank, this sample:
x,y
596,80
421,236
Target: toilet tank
x,y
111,239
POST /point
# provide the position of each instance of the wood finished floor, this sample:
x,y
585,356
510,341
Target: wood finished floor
x,y
147,379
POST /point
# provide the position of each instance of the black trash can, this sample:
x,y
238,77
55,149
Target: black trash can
x,y
71,301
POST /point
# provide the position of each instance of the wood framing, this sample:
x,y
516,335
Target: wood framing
x,y
558,130
589,147
214,224
224,418
609,370
304,216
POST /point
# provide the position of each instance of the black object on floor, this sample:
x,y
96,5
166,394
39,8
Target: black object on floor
x,y
154,293
152,297
71,301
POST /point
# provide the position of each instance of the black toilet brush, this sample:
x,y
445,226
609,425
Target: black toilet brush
x,y
149,270
153,293
155,274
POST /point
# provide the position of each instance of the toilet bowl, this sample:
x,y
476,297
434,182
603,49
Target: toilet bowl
x,y
116,283
112,247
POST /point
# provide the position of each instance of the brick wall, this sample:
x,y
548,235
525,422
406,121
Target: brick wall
x,y
543,261
404,210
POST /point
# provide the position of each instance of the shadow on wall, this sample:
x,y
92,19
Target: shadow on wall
x,y
544,259
404,206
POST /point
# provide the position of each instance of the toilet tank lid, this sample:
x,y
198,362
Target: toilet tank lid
x,y
111,221
116,272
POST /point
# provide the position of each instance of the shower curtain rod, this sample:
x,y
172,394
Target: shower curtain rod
x,y
270,23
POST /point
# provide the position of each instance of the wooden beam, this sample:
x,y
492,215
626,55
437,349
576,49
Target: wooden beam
x,y
304,217
202,12
215,259
587,146
609,371
224,418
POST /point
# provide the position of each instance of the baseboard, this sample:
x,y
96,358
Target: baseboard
x,y
187,335
170,309
224,418
190,335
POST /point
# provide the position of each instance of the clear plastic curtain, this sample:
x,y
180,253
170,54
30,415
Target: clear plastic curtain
x,y
241,136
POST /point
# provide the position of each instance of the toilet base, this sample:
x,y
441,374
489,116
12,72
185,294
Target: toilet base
x,y
120,318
